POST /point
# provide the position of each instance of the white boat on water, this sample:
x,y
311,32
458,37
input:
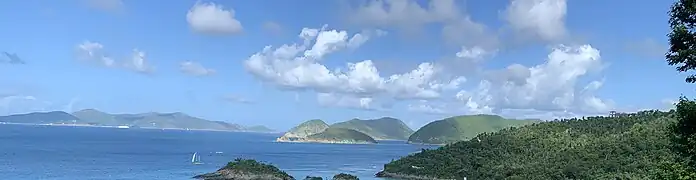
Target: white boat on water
x,y
196,159
122,127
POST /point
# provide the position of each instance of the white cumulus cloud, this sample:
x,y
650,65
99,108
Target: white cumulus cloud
x,y
211,18
298,66
543,19
551,86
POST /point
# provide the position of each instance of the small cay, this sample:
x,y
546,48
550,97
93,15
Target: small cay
x,y
249,169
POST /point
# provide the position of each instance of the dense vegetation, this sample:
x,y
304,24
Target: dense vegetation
x,y
246,169
460,128
344,176
249,169
342,135
385,128
631,147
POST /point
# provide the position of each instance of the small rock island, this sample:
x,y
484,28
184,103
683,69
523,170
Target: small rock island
x,y
246,169
318,131
249,169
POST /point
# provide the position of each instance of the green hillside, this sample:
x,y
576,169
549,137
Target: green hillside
x,y
40,118
303,130
385,128
334,134
632,147
460,128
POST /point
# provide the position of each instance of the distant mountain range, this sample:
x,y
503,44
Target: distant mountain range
x,y
94,117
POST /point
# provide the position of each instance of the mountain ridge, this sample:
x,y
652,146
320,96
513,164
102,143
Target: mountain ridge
x,y
384,128
94,117
464,127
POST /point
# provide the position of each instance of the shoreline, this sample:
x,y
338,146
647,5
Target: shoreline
x,y
322,142
117,127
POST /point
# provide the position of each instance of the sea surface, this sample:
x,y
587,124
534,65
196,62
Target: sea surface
x,y
82,153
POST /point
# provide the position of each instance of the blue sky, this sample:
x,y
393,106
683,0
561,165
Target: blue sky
x,y
519,58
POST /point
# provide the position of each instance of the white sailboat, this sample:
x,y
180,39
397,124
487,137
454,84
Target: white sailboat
x,y
196,159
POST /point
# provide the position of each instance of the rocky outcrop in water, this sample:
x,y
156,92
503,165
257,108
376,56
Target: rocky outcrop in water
x,y
249,169
344,176
246,169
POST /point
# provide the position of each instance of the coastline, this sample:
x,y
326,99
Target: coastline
x,y
324,141
117,127
383,174
427,144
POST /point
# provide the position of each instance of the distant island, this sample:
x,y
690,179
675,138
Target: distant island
x,y
318,131
354,131
440,132
385,128
460,128
95,118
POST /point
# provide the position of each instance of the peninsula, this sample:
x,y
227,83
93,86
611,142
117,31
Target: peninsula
x,y
317,131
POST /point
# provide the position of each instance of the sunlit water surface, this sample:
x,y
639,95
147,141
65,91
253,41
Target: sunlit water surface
x,y
76,153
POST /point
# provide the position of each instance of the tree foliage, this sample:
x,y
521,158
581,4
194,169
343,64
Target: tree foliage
x,y
682,38
631,147
685,131
344,176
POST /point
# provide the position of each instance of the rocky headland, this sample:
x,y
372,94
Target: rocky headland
x,y
249,169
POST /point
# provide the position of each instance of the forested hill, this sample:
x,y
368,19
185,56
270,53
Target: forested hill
x,y
461,128
632,147
385,128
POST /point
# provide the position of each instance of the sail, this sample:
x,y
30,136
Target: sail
x,y
193,159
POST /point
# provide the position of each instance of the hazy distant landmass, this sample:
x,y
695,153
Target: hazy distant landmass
x,y
385,128
95,117
460,128
40,118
